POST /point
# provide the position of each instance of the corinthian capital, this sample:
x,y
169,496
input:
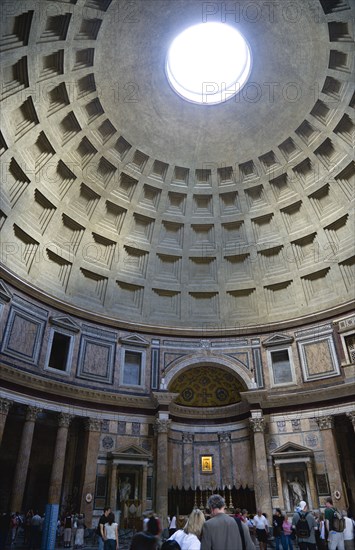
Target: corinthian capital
x,y
161,425
325,422
257,424
5,405
93,425
351,415
64,420
32,412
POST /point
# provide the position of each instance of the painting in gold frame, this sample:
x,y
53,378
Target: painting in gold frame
x,y
206,464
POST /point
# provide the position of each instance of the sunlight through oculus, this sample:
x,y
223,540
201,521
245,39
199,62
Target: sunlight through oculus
x,y
208,63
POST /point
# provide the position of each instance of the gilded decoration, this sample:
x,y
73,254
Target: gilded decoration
x,y
206,386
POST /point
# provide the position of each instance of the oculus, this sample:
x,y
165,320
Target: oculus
x,y
208,63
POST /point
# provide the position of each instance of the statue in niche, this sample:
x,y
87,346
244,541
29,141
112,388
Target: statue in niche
x,y
125,490
298,490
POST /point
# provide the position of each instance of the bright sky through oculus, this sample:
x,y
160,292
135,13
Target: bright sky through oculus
x,y
208,63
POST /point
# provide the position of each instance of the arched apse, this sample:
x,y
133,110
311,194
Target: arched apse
x,y
208,382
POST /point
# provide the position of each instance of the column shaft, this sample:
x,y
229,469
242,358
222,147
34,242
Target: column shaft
x,y
55,485
161,428
113,486
279,487
325,424
262,487
312,486
93,428
23,459
144,487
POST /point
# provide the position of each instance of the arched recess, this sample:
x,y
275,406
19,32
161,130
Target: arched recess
x,y
229,364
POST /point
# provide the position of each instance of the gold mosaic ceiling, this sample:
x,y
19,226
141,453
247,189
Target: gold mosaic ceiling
x,y
206,386
119,198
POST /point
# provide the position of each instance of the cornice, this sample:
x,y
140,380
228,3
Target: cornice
x,y
208,413
29,381
267,399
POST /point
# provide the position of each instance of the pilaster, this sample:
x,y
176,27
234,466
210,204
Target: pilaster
x,y
326,424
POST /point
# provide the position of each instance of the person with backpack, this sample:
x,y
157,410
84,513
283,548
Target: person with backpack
x,y
335,524
303,523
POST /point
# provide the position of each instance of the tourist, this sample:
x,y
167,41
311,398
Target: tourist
x,y
147,540
277,521
100,528
262,529
110,533
189,537
286,534
335,538
221,531
304,523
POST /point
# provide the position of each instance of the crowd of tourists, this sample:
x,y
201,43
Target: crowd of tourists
x,y
218,530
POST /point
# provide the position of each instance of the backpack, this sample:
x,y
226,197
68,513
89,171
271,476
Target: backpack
x,y
302,528
338,522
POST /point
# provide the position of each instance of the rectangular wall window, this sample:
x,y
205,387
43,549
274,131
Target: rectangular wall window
x,y
132,368
281,367
60,351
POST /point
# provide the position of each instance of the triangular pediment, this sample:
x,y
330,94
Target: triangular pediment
x,y
132,452
135,340
277,340
5,294
291,449
65,322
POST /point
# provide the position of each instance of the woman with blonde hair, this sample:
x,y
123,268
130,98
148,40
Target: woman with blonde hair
x,y
189,536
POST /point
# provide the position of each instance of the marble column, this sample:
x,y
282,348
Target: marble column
x,y
113,486
351,415
279,486
312,486
23,459
5,405
55,485
68,478
262,487
144,486
161,428
326,424
93,432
